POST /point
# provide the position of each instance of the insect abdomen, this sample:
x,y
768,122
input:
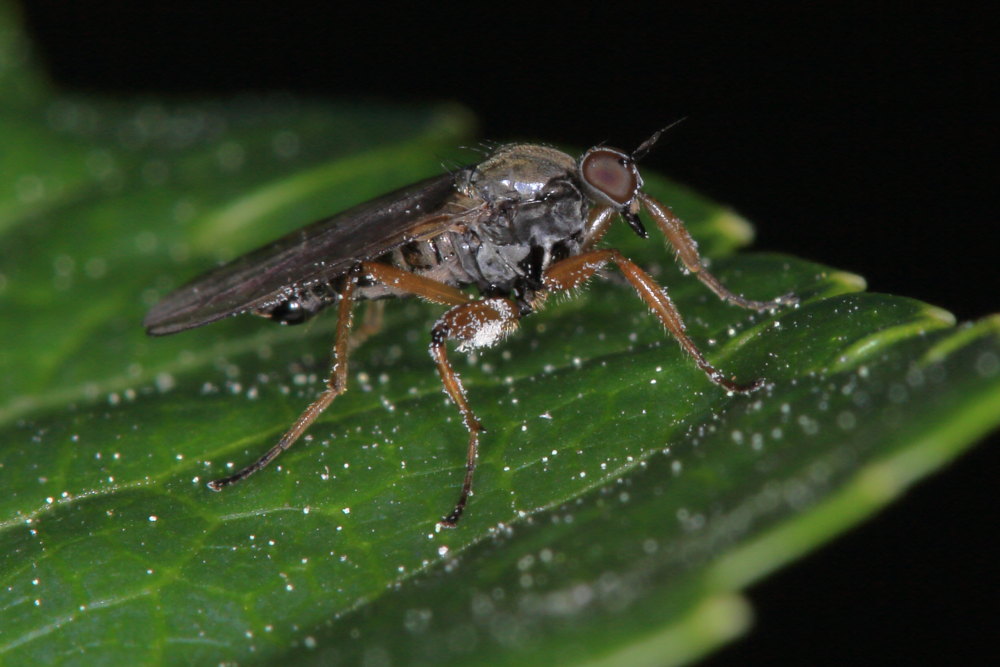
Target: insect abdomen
x,y
304,304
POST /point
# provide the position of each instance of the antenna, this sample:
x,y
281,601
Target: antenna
x,y
644,147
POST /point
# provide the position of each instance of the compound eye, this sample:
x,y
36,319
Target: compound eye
x,y
611,173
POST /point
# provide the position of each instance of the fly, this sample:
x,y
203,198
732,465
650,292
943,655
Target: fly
x,y
521,224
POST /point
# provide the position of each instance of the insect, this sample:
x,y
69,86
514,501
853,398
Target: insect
x,y
521,224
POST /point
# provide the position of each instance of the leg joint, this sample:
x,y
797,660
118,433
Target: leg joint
x,y
440,334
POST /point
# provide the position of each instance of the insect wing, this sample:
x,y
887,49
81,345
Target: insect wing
x,y
318,252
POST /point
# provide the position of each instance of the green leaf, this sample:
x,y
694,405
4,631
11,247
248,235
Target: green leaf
x,y
622,501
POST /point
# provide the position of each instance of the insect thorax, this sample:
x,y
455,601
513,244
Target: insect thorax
x,y
507,251
537,215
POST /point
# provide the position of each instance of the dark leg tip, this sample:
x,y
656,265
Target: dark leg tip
x,y
786,300
216,485
451,520
748,388
778,302
718,378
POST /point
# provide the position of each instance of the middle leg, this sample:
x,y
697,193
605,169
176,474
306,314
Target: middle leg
x,y
476,324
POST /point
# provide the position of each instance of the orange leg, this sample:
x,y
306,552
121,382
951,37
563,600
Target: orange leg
x,y
574,271
411,283
476,324
334,387
426,288
598,223
673,228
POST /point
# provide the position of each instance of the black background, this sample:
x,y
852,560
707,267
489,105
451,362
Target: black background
x,y
863,137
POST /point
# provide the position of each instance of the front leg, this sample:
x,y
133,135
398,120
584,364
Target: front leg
x,y
476,324
574,271
687,251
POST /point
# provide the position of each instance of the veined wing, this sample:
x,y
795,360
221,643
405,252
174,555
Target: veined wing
x,y
316,253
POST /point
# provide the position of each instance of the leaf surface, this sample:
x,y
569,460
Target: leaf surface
x,y
622,500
